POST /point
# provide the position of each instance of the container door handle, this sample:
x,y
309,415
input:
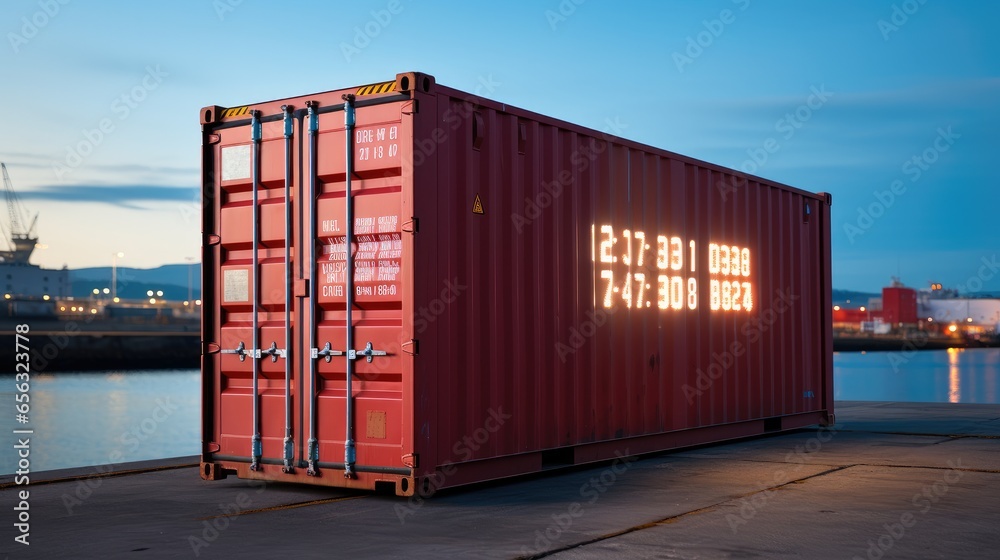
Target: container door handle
x,y
240,350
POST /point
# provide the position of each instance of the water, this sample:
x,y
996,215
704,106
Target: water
x,y
942,376
83,419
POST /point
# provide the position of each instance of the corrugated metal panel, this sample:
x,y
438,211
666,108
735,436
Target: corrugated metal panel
x,y
550,295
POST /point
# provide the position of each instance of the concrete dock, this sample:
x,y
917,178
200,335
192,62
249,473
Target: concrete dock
x,y
890,480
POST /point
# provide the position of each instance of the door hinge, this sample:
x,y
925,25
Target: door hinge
x,y
411,460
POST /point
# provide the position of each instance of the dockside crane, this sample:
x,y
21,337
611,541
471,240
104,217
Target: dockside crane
x,y
22,239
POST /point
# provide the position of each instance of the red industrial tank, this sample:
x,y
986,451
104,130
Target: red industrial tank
x,y
519,293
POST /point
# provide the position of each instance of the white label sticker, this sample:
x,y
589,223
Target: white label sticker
x,y
236,162
235,285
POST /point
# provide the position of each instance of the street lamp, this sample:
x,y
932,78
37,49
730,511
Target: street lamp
x,y
191,261
114,273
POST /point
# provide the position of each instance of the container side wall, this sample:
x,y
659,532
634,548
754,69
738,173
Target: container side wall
x,y
610,291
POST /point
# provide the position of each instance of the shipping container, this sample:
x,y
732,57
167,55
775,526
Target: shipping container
x,y
519,293
899,305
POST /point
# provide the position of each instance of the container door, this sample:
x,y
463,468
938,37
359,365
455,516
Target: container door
x,y
358,317
251,320
292,325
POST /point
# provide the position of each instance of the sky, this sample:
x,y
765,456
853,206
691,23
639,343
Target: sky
x,y
893,107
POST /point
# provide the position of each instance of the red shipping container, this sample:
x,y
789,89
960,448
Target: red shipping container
x,y
523,294
899,305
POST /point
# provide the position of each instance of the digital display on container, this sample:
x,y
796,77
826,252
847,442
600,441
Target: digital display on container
x,y
659,270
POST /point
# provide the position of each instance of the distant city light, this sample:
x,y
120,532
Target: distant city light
x,y
152,300
46,297
93,312
96,291
106,290
159,293
197,302
186,303
969,320
149,293
836,308
6,296
953,328
117,299
930,319
63,308
862,308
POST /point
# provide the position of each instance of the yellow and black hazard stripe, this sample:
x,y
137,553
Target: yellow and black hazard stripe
x,y
235,112
384,87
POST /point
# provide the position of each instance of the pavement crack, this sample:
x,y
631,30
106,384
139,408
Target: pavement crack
x,y
949,439
919,434
282,507
675,518
779,462
931,467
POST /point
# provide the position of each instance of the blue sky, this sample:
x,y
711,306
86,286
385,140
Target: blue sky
x,y
856,98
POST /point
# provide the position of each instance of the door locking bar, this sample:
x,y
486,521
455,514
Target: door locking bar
x,y
327,353
256,353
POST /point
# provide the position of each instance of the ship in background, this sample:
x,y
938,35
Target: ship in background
x,y
97,332
28,288
907,318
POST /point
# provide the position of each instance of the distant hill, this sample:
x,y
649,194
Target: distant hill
x,y
133,283
841,297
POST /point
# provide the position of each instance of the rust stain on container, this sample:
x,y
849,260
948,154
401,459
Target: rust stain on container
x,y
614,299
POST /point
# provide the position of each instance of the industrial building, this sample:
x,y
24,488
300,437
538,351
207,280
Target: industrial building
x,y
936,310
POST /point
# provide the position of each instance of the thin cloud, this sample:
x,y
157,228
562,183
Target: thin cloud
x,y
8,157
129,196
945,92
938,93
43,162
136,168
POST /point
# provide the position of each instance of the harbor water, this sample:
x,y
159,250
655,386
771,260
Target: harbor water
x,y
91,418
85,419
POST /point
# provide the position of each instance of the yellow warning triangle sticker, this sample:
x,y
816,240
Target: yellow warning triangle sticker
x,y
477,206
